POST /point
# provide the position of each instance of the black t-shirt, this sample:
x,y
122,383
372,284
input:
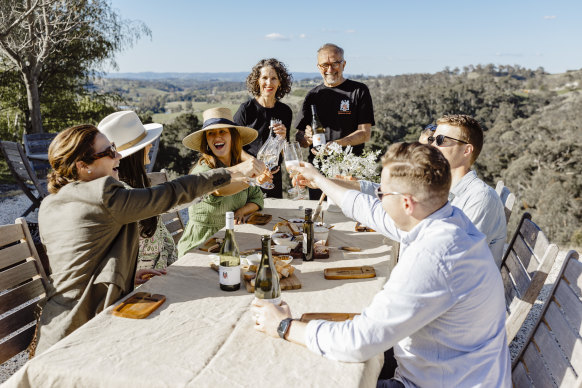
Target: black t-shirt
x,y
254,115
340,109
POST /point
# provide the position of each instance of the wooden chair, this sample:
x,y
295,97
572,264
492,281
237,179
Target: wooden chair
x,y
552,356
524,268
153,155
172,219
24,174
507,197
36,147
23,282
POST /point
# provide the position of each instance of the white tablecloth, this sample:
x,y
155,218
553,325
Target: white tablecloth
x,y
204,337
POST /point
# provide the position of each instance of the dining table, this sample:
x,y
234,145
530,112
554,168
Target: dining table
x,y
201,336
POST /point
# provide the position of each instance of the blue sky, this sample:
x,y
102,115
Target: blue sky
x,y
379,37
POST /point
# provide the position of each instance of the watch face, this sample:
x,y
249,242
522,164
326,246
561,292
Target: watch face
x,y
283,326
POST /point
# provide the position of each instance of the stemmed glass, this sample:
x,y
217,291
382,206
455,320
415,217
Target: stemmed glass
x,y
269,154
293,156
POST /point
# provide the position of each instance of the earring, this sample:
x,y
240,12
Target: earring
x,y
89,171
207,148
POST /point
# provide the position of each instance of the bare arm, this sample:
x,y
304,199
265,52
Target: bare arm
x,y
242,212
359,136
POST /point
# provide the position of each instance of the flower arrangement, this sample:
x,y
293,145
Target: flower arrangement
x,y
333,160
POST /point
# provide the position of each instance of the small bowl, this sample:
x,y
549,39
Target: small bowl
x,y
320,233
284,239
282,249
286,258
254,259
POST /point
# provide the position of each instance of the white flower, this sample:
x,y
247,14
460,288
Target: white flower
x,y
333,160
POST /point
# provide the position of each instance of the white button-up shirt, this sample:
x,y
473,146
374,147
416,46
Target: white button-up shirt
x,y
480,203
442,309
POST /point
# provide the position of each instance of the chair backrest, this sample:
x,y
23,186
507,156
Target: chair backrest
x,y
524,268
552,355
507,197
22,282
172,219
24,174
38,144
153,155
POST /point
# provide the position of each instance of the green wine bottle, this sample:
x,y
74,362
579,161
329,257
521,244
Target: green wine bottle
x,y
317,128
229,269
267,285
308,236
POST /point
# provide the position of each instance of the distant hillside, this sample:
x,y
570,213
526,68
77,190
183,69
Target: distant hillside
x,y
224,77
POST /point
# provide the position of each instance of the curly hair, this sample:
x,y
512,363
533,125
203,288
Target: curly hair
x,y
422,169
285,78
471,131
67,148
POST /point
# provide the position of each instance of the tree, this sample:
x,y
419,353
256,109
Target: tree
x,y
38,36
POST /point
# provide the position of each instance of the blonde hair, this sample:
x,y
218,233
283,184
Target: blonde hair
x,y
471,131
422,170
67,148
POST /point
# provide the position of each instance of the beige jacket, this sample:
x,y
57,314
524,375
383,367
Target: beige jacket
x,y
90,232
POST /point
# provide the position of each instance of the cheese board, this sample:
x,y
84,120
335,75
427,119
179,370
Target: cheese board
x,y
336,317
362,272
139,305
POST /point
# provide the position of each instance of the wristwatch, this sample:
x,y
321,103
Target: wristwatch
x,y
284,327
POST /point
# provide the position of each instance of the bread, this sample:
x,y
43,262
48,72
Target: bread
x,y
286,227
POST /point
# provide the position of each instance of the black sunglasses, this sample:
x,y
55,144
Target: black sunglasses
x,y
111,151
380,194
440,139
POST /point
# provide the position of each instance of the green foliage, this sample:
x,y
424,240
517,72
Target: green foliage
x,y
172,154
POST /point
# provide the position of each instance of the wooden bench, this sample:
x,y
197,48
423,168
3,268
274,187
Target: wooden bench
x,y
36,147
524,268
172,219
507,198
552,356
153,154
24,174
23,283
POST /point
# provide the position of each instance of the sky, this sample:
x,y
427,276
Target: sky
x,y
380,37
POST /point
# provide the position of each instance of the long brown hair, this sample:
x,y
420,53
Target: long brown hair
x,y
67,148
132,171
207,156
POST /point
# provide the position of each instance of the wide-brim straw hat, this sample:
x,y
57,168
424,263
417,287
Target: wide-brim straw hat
x,y
218,118
125,129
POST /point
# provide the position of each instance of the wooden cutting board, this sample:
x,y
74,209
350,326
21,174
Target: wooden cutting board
x,y
139,305
362,272
211,245
336,317
289,283
259,219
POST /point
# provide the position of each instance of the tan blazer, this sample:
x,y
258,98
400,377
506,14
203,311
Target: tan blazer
x,y
90,232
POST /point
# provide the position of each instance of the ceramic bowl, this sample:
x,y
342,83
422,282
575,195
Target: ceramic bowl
x,y
254,259
284,239
282,249
286,258
320,233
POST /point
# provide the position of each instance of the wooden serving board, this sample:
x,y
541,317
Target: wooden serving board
x,y
289,283
362,272
363,228
259,219
336,317
139,305
211,245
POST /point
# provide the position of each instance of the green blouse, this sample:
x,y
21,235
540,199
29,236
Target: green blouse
x,y
207,216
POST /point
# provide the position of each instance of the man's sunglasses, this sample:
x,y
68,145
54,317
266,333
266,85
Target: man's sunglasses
x,y
440,139
380,194
111,151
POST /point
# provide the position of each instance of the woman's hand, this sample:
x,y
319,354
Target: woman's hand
x,y
280,129
267,316
239,216
143,275
248,169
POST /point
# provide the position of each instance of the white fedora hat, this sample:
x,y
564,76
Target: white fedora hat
x,y
125,129
218,118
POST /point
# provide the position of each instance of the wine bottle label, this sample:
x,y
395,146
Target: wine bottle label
x,y
229,276
275,301
318,139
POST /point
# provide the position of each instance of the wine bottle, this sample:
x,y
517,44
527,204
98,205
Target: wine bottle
x,y
229,268
267,280
308,236
317,128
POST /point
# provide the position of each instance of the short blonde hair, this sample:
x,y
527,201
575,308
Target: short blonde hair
x,y
421,169
471,131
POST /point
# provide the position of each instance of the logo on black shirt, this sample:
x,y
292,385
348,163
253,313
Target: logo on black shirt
x,y
345,106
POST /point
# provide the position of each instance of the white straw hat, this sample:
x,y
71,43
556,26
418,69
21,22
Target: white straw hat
x,y
218,118
125,129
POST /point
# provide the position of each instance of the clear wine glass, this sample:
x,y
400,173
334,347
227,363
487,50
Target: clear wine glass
x,y
301,193
292,156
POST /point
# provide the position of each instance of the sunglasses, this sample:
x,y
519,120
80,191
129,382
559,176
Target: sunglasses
x,y
440,139
333,65
380,194
111,151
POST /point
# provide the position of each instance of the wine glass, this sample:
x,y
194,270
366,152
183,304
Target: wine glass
x,y
300,192
292,154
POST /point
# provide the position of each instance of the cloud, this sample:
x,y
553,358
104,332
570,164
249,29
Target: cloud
x,y
276,36
350,31
302,36
550,17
